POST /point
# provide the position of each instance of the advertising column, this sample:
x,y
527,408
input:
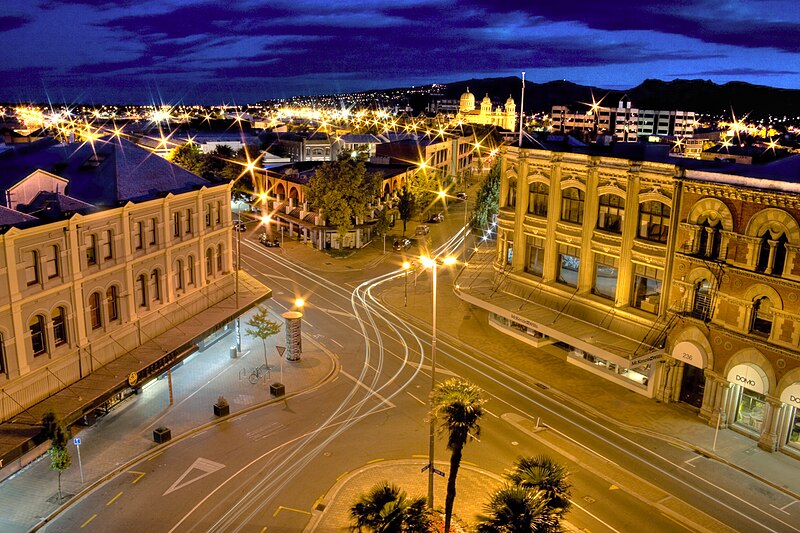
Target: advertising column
x,y
294,343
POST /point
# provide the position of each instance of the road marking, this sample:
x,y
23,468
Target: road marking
x,y
335,312
375,461
204,465
420,401
263,529
419,456
593,516
139,476
112,500
90,519
783,509
439,370
342,475
336,343
689,461
282,508
357,382
613,487
155,455
490,413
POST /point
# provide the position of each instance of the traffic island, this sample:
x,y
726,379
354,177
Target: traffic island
x,y
162,434
277,389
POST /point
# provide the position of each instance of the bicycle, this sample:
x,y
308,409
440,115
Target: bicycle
x,y
256,374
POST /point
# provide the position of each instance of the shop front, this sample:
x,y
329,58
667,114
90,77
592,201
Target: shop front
x,y
789,430
692,377
747,403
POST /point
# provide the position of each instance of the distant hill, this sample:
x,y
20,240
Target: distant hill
x,y
702,96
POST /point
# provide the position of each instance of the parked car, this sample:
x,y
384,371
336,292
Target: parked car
x,y
461,195
266,241
401,244
436,217
422,229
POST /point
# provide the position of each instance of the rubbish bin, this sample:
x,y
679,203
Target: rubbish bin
x,y
162,434
233,352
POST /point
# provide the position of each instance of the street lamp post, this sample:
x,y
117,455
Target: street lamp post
x,y
407,268
432,263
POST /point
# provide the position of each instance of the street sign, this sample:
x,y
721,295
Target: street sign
x,y
438,472
76,441
424,468
281,350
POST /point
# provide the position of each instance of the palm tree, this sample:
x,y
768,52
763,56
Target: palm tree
x,y
457,404
387,509
543,474
518,509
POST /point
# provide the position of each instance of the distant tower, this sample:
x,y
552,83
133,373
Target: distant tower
x,y
511,114
486,106
467,102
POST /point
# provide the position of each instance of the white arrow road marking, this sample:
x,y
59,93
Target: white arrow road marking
x,y
204,465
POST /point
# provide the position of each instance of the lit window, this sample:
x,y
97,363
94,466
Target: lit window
x,y
538,194
511,199
611,213
647,288
701,306
762,317
654,221
572,205
606,274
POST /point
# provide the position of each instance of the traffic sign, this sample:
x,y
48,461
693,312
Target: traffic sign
x,y
76,441
281,350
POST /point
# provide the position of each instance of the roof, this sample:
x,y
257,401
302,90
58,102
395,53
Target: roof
x,y
9,217
55,206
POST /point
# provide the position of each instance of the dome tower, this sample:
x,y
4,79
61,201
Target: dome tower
x,y
467,102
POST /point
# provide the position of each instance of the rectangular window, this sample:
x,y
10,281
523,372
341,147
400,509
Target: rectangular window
x,y
108,245
176,224
208,215
91,251
32,268
606,273
647,288
139,237
188,221
535,258
569,263
153,231
52,263
537,199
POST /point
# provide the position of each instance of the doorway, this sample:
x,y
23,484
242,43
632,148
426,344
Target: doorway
x,y
693,384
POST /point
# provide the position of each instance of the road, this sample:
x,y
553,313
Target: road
x,y
269,468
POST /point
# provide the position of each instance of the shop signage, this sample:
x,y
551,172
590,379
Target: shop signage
x,y
525,321
748,376
646,358
689,353
791,395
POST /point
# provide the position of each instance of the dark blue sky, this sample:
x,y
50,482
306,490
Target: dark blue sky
x,y
241,51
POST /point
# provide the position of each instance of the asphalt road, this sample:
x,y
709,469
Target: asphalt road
x,y
269,468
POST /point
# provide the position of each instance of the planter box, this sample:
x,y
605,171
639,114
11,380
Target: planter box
x,y
277,389
220,410
162,434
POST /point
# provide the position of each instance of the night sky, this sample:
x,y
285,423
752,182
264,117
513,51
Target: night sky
x,y
191,51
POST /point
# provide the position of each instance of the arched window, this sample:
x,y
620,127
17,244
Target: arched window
x,y
190,269
59,326
701,306
611,213
141,287
572,205
38,335
32,268
112,303
91,250
179,274
762,317
511,199
53,268
772,254
155,278
654,221
219,258
95,312
537,199
108,245
710,240
209,262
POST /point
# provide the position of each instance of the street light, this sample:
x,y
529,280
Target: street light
x,y
433,263
407,268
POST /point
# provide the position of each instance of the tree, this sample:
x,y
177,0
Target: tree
x,y
488,199
261,327
541,473
344,192
189,157
60,458
424,186
458,406
405,206
517,509
382,220
387,509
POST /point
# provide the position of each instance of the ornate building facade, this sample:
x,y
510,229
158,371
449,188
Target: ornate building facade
x,y
677,280
505,117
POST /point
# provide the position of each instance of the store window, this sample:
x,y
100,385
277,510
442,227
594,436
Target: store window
x,y
509,252
538,194
762,317
793,437
569,263
701,306
654,221
647,288
606,273
572,205
611,213
751,409
535,260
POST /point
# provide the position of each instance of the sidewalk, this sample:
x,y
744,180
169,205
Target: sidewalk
x,y
126,432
